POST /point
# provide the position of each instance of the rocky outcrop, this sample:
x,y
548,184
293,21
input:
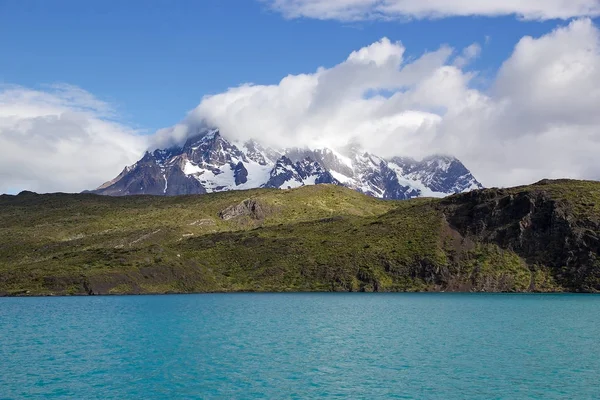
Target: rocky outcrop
x,y
240,174
537,227
249,207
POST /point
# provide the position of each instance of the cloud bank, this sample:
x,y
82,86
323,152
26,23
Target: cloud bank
x,y
60,139
539,117
356,10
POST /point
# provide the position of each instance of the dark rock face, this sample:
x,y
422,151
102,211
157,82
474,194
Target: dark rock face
x,y
150,176
240,174
326,178
536,227
210,148
283,172
393,190
180,184
442,174
308,168
287,173
453,176
324,157
145,177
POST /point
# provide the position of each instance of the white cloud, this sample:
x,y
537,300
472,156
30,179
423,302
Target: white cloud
x,y
540,118
334,106
355,10
554,79
468,54
60,139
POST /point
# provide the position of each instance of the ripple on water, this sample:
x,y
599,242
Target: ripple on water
x,y
438,346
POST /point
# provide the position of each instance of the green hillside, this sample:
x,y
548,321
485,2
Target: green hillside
x,y
542,237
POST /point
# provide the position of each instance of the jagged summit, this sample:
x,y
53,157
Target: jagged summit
x,y
208,162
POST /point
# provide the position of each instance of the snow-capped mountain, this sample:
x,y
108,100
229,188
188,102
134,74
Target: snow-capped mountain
x,y
209,163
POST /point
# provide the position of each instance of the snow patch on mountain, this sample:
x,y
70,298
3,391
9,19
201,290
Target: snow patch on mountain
x,y
208,163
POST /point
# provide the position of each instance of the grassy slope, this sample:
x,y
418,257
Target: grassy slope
x,y
583,197
313,238
62,235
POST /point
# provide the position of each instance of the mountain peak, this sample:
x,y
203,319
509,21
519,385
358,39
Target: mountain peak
x,y
201,138
208,162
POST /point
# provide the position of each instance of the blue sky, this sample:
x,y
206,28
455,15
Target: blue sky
x,y
154,60
87,86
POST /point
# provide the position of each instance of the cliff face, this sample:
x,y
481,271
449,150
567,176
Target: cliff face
x,y
540,228
542,237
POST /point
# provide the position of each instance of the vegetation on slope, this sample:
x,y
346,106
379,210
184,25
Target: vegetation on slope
x,y
316,238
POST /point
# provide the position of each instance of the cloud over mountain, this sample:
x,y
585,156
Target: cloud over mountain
x,y
539,117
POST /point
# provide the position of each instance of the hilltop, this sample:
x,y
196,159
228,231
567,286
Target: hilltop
x,y
542,237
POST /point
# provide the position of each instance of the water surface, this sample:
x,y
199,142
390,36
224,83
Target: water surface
x,y
422,346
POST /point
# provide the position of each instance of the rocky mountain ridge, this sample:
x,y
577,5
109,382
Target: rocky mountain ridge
x,y
209,163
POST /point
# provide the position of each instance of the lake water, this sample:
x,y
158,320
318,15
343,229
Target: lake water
x,y
423,346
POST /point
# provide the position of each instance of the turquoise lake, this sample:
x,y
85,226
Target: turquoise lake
x,y
275,346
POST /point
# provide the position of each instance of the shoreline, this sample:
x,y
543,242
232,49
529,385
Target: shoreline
x,y
3,296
